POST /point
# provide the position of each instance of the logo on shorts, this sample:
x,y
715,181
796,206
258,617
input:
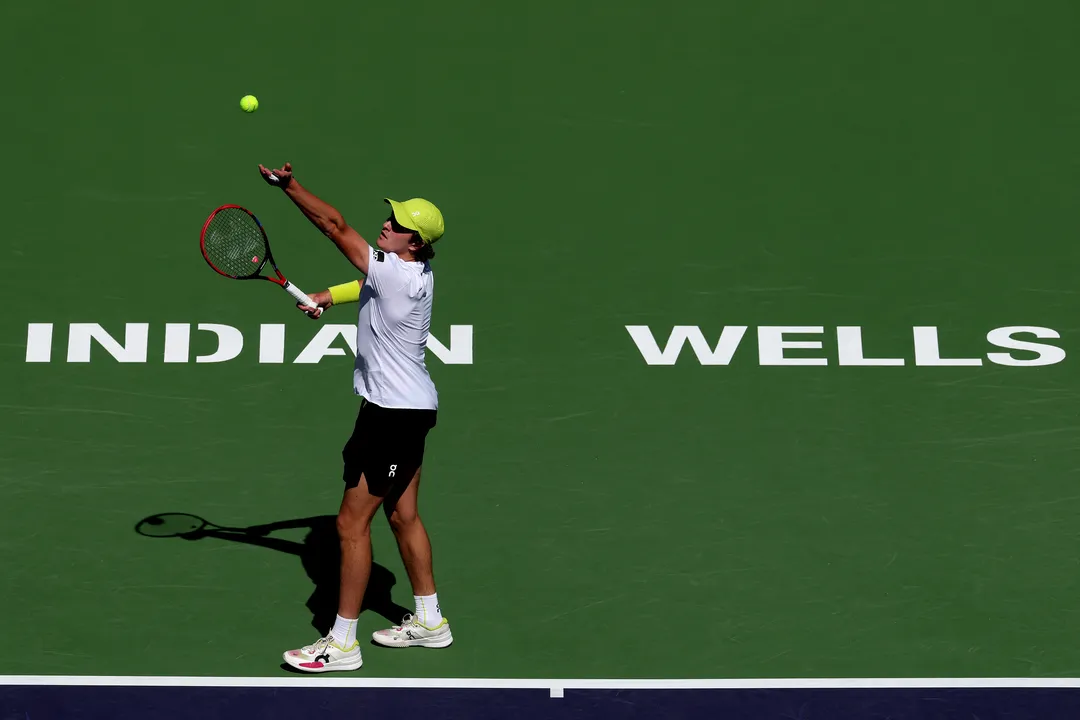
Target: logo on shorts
x,y
393,470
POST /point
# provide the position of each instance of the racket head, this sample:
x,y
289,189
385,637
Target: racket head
x,y
171,525
234,243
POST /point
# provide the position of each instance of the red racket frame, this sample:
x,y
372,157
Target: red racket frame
x,y
280,280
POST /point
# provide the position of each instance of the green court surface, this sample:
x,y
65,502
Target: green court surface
x,y
601,166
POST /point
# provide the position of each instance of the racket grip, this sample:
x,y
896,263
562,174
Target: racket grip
x,y
299,296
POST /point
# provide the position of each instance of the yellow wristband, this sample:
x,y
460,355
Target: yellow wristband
x,y
347,293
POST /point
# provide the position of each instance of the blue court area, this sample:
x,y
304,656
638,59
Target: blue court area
x,y
45,698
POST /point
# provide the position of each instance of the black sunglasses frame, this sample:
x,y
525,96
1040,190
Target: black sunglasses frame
x,y
398,227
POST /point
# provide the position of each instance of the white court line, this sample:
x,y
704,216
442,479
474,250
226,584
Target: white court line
x,y
551,685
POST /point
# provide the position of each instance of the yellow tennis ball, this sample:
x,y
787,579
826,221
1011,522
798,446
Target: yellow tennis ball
x,y
248,103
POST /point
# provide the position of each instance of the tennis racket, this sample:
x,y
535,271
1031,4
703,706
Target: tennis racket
x,y
235,245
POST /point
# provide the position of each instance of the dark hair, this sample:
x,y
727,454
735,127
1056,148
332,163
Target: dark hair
x,y
425,253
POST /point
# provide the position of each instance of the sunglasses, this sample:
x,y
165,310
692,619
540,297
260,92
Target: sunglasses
x,y
398,227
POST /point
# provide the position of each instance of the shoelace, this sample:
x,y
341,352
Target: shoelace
x,y
320,645
408,621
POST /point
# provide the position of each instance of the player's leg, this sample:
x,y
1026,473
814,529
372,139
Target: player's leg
x,y
427,627
340,649
358,507
413,542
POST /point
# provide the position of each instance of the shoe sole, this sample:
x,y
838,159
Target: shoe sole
x,y
441,643
331,667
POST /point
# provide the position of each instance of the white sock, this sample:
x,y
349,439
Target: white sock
x,y
428,611
344,632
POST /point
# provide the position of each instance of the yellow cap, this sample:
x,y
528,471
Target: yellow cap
x,y
420,215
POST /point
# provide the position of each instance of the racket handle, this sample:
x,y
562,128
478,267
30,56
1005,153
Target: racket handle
x,y
299,296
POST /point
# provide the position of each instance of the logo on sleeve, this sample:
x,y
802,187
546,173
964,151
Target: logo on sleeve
x,y
379,256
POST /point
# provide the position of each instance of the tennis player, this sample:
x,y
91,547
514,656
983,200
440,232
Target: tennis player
x,y
398,408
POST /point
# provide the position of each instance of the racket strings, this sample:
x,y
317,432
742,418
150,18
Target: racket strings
x,y
235,244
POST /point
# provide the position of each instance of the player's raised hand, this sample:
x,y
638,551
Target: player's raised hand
x,y
277,177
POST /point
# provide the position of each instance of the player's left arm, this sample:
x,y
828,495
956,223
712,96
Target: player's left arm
x,y
322,215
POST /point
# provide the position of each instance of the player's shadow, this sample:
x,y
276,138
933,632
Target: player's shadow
x,y
319,553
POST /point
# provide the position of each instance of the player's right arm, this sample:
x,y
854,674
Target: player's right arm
x,y
322,215
335,295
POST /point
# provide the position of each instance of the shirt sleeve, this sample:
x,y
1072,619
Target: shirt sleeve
x,y
380,270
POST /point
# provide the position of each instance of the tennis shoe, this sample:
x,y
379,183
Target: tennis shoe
x,y
325,655
410,633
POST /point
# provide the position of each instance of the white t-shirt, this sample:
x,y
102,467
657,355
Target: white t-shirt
x,y
392,333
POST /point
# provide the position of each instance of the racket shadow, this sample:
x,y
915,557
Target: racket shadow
x,y
319,554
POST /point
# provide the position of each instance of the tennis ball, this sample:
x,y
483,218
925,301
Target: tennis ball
x,y
248,103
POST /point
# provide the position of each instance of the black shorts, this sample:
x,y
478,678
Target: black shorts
x,y
387,447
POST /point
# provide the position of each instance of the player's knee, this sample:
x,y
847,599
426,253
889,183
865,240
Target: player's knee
x,y
402,520
351,526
